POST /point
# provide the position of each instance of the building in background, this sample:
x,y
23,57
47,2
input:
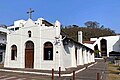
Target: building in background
x,y
104,45
3,39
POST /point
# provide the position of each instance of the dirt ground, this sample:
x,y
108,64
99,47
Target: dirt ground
x,y
114,73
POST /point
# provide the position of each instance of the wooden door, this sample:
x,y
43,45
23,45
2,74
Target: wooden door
x,y
103,44
29,55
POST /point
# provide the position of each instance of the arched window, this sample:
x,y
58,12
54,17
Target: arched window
x,y
29,33
13,52
29,45
48,51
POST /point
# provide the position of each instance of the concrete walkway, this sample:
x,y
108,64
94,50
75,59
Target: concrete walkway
x,y
91,73
86,72
69,72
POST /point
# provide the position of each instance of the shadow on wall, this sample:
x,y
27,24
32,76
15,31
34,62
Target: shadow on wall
x,y
116,46
67,48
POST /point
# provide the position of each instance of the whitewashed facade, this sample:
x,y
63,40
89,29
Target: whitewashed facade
x,y
41,45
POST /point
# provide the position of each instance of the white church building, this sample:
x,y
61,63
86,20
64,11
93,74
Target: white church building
x,y
42,45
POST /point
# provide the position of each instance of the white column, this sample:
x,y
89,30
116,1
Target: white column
x,y
85,56
73,60
7,53
61,55
88,56
80,57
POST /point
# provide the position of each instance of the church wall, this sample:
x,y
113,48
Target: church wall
x,y
80,56
70,57
39,37
67,55
92,57
74,63
59,57
48,35
85,56
35,38
9,62
89,57
19,39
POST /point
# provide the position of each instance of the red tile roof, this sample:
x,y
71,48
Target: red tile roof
x,y
89,42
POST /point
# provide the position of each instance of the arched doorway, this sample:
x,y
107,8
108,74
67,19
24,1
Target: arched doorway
x,y
29,54
103,44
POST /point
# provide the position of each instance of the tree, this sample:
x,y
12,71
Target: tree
x,y
3,25
92,24
72,30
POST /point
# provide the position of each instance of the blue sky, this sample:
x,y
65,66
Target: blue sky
x,y
68,12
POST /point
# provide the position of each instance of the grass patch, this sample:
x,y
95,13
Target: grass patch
x,y
114,73
118,68
113,77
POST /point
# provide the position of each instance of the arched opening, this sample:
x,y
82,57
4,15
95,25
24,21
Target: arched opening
x,y
76,53
29,54
48,51
103,44
96,51
13,52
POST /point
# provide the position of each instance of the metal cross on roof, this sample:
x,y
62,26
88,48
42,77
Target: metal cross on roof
x,y
30,13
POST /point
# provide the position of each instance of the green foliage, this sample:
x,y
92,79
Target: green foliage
x,y
97,51
88,32
92,24
3,25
